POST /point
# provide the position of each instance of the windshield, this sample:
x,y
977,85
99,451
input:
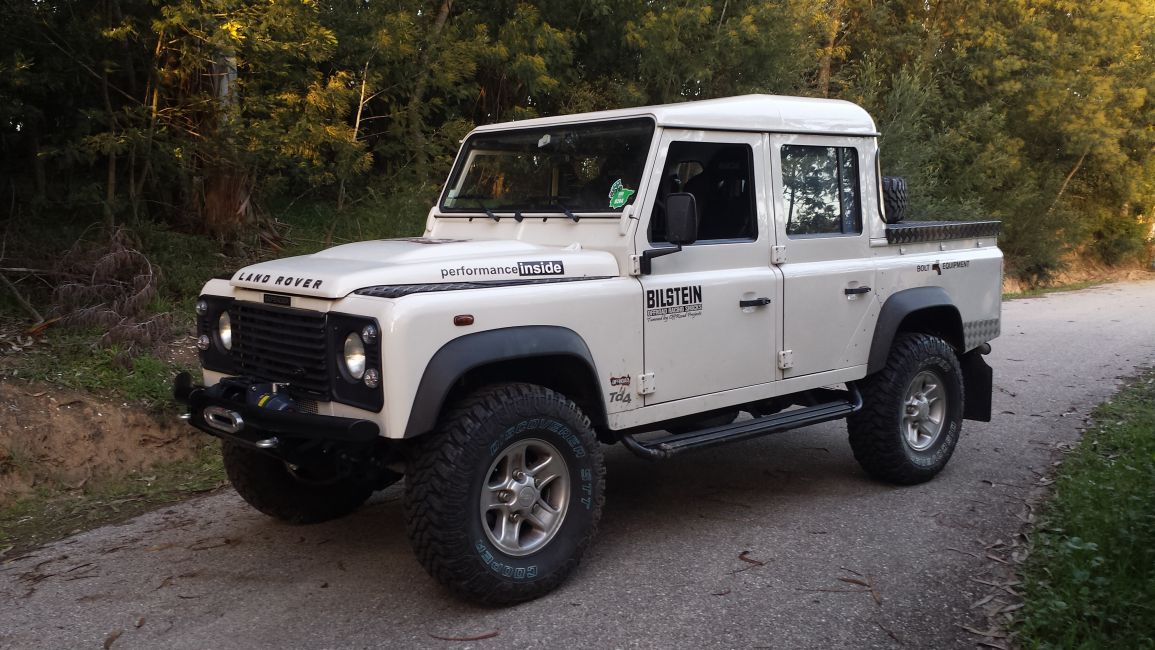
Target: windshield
x,y
567,169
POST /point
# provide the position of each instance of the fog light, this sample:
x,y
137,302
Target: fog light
x,y
369,334
203,341
372,378
202,307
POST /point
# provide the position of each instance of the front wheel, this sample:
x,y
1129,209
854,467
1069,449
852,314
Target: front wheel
x,y
503,499
296,495
912,412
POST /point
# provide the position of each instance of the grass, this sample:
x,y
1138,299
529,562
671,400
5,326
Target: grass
x,y
69,358
54,513
1090,582
1042,291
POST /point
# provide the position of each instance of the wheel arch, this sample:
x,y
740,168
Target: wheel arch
x,y
551,356
922,309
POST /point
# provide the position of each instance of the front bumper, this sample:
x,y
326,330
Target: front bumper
x,y
222,411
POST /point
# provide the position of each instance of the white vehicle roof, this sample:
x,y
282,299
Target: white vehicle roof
x,y
772,113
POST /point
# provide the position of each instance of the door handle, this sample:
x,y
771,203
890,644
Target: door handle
x,y
756,302
851,291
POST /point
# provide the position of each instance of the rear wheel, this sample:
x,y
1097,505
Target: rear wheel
x,y
503,499
912,412
297,495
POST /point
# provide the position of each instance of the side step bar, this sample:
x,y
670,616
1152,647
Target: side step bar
x,y
673,444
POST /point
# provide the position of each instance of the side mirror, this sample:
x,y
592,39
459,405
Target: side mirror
x,y
681,218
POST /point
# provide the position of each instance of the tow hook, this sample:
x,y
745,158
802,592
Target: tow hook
x,y
222,419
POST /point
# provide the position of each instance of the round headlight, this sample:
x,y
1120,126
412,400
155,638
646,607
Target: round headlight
x,y
355,355
225,330
202,307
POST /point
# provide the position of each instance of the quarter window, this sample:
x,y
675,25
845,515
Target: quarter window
x,y
820,188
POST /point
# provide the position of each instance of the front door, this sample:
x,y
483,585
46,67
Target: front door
x,y
710,310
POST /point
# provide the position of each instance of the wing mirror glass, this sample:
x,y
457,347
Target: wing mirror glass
x,y
681,218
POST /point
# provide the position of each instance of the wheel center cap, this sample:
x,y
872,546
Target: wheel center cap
x,y
923,408
526,497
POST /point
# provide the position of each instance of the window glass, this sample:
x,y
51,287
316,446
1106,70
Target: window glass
x,y
820,190
721,178
587,168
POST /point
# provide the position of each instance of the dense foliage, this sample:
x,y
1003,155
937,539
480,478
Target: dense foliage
x,y
191,112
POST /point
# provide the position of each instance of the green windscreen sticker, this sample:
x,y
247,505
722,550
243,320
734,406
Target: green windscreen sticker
x,y
619,195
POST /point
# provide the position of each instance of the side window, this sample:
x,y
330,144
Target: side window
x,y
820,188
721,178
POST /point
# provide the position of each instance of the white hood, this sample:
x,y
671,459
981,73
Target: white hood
x,y
339,271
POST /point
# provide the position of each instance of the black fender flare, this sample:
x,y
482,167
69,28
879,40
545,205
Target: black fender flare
x,y
895,310
465,353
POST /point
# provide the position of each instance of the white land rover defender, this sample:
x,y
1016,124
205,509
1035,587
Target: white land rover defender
x,y
641,276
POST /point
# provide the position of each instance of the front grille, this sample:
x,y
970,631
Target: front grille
x,y
281,345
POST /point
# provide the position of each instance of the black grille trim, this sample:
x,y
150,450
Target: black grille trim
x,y
399,290
913,232
281,344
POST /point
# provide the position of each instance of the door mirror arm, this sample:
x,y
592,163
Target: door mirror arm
x,y
645,265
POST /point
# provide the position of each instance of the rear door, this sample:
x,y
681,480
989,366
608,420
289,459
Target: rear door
x,y
830,304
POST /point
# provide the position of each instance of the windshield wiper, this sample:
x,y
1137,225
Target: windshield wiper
x,y
479,200
558,203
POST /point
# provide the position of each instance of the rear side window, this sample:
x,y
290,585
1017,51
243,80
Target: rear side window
x,y
820,190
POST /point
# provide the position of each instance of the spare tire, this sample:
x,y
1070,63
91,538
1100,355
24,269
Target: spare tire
x,y
894,198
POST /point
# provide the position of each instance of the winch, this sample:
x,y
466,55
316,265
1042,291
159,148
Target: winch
x,y
270,396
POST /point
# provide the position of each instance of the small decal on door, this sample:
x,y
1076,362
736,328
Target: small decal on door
x,y
619,194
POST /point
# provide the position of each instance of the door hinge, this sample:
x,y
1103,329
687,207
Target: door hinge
x,y
778,254
646,383
635,264
786,359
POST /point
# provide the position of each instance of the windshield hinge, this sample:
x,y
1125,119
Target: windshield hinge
x,y
777,254
635,264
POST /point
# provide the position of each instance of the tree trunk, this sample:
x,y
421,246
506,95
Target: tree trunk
x,y
356,130
1067,180
830,35
36,162
110,188
415,113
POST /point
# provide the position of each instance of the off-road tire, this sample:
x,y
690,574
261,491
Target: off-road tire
x,y
271,487
450,470
878,432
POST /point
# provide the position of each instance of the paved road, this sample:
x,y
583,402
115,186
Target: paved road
x,y
760,544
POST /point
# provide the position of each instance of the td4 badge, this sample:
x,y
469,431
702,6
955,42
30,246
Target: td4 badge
x,y
621,392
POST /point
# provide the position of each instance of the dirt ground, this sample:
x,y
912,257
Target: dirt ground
x,y
50,436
